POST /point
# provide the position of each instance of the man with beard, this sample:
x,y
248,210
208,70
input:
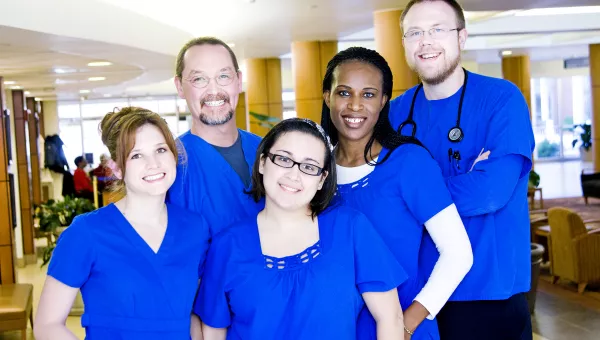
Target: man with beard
x,y
218,157
479,131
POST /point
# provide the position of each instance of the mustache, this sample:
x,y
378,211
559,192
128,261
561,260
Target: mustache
x,y
215,97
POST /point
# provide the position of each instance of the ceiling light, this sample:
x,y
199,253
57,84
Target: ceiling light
x,y
99,63
96,78
38,99
560,11
506,52
16,87
27,92
59,70
84,91
107,95
9,82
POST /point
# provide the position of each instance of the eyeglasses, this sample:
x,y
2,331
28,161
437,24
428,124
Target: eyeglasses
x,y
286,162
434,32
200,81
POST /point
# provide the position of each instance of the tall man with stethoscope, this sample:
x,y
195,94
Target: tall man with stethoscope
x,y
479,131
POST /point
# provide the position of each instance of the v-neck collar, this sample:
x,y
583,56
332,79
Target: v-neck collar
x,y
249,153
137,241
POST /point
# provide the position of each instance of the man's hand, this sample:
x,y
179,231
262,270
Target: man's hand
x,y
482,157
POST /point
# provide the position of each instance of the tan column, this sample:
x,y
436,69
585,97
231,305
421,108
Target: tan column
x,y
516,70
388,42
595,80
241,113
24,168
7,268
309,62
264,92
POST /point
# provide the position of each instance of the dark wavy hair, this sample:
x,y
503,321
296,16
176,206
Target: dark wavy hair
x,y
383,132
324,196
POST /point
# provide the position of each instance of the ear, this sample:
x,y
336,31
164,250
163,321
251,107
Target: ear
x,y
179,87
118,174
240,87
384,99
326,98
322,181
261,164
462,38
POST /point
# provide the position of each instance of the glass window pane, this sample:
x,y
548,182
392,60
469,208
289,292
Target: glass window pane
x,y
70,134
167,105
92,141
68,110
99,108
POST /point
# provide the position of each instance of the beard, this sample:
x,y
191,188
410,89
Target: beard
x,y
441,74
218,120
216,117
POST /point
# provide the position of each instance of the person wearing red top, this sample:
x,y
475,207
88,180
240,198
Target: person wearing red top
x,y
83,184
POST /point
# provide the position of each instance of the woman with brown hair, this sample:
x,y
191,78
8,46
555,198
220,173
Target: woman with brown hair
x,y
137,262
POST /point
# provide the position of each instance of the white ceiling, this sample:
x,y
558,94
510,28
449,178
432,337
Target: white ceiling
x,y
142,37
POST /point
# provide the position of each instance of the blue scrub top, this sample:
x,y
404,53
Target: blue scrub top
x,y
129,291
398,197
208,185
317,293
491,199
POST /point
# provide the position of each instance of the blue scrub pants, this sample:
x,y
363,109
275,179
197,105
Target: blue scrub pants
x,y
490,320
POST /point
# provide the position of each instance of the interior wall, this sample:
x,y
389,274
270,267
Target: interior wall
x,y
50,109
538,69
12,169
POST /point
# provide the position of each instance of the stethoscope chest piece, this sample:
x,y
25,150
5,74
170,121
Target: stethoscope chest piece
x,y
455,134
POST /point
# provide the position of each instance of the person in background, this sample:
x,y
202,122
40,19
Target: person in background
x,y
81,181
462,118
396,183
103,173
138,261
219,155
299,269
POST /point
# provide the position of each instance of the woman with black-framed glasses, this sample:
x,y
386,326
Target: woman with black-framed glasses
x,y
300,269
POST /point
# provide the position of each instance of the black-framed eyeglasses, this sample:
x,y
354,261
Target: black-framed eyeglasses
x,y
200,81
434,33
286,162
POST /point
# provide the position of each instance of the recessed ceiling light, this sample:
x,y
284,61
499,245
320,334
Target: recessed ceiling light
x,y
96,78
37,99
106,95
9,82
99,63
59,70
84,91
16,87
27,92
506,52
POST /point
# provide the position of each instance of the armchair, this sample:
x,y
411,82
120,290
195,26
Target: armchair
x,y
575,249
590,185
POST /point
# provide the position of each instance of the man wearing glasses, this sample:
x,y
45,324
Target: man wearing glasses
x,y
214,168
479,131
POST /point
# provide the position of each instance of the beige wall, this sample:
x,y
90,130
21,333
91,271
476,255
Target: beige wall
x,y
50,109
553,68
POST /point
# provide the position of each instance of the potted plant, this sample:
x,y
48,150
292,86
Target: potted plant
x,y
263,120
584,140
52,218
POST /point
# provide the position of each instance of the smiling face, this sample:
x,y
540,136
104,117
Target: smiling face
x,y
289,188
434,60
210,84
355,100
150,167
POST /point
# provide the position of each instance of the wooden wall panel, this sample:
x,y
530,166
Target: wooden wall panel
x,y
24,168
7,261
34,155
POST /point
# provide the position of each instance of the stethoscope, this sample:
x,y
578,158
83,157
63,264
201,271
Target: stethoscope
x,y
455,134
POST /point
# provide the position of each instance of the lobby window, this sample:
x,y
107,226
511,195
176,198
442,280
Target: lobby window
x,y
557,104
79,121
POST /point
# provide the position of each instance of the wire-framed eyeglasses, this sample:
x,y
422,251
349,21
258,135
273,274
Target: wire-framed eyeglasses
x,y
200,81
286,162
434,32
